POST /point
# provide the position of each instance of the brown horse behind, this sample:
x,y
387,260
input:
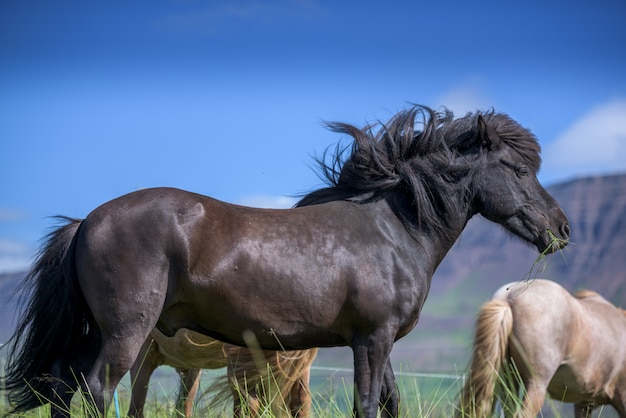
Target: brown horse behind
x,y
279,379
573,348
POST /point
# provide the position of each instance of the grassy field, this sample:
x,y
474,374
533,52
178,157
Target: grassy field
x,y
421,397
332,397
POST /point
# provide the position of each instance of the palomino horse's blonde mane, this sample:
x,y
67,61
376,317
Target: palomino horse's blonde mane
x,y
585,293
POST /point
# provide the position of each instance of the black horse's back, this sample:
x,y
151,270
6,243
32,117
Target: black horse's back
x,y
51,323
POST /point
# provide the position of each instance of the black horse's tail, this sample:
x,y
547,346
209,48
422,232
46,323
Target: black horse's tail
x,y
54,319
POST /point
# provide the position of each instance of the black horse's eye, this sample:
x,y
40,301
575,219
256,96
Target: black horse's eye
x,y
522,170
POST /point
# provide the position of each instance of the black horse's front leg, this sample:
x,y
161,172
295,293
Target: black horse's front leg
x,y
371,359
389,397
583,409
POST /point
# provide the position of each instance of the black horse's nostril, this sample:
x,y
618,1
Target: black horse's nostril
x,y
564,230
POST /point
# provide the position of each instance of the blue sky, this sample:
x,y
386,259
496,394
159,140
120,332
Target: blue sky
x,y
227,98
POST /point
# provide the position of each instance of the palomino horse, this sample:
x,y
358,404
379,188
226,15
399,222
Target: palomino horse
x,y
351,265
280,378
538,335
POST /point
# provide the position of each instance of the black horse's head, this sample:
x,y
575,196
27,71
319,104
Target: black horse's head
x,y
505,182
486,161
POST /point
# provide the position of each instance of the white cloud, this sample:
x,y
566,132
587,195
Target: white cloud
x,y
465,98
266,201
14,256
595,144
14,265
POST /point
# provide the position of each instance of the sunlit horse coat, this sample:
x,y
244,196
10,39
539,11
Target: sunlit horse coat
x,y
571,347
350,266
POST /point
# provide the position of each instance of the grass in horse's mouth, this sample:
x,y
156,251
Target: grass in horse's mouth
x,y
555,243
540,264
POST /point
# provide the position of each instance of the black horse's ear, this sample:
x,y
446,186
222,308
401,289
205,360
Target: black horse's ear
x,y
486,136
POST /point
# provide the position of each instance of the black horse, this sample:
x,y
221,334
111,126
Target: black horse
x,y
351,265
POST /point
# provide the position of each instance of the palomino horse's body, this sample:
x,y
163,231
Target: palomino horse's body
x,y
571,347
349,266
279,378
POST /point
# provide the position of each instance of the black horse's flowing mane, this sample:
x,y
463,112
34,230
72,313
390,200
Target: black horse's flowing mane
x,y
425,163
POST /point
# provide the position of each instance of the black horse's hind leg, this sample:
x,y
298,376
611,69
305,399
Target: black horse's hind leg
x,y
147,361
389,398
125,296
116,356
371,358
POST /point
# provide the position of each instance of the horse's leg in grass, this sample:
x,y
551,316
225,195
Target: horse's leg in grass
x,y
299,396
125,302
583,410
189,383
534,398
389,398
245,403
619,399
116,356
371,354
245,399
147,361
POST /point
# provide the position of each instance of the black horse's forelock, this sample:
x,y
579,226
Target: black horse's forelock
x,y
460,133
423,162
516,137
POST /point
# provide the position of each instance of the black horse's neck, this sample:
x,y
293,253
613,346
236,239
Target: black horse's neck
x,y
427,232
